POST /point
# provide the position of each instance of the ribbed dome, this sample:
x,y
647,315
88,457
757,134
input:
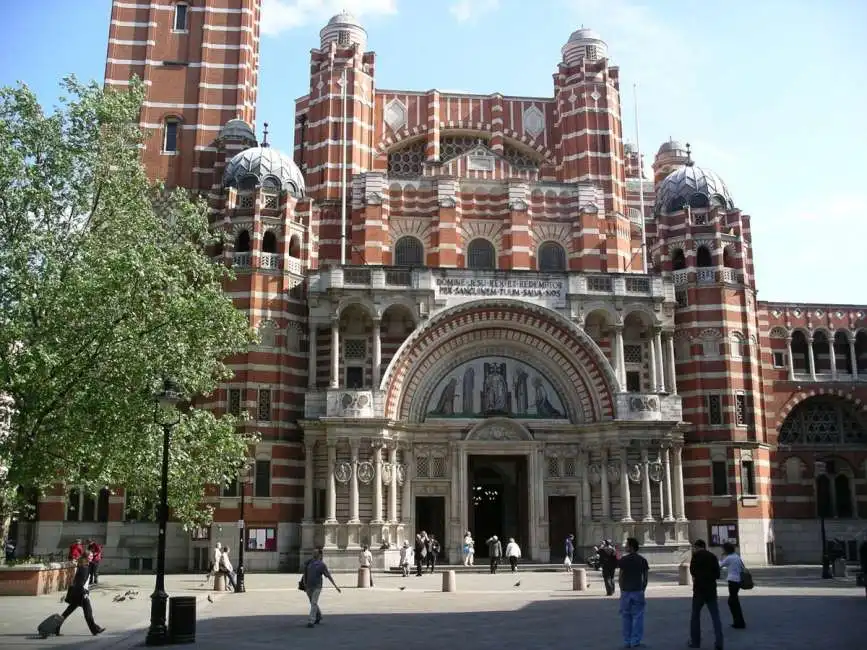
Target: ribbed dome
x,y
345,30
691,185
237,129
266,167
344,18
584,43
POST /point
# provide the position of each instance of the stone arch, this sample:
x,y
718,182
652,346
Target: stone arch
x,y
643,310
551,333
779,333
802,396
417,227
366,304
504,429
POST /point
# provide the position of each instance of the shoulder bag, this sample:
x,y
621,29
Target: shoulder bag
x,y
746,578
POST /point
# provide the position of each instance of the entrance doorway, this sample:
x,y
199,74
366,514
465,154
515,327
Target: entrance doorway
x,y
561,522
497,501
430,516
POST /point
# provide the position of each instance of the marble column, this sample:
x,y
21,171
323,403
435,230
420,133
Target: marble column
x,y
586,509
660,364
377,485
392,486
309,470
833,356
672,366
406,499
311,357
377,352
617,357
666,459
811,359
679,497
331,491
621,355
625,497
335,353
353,483
605,488
646,499
652,345
790,362
852,356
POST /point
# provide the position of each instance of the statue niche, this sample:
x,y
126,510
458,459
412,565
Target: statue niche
x,y
495,387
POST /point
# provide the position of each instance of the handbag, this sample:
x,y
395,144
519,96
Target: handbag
x,y
746,578
301,585
74,595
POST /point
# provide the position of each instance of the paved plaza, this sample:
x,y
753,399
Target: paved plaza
x,y
788,609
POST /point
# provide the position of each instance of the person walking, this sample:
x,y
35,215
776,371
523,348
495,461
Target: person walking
x,y
469,549
225,567
634,571
608,564
705,571
570,548
513,552
733,564
366,560
420,553
78,595
495,552
433,553
314,570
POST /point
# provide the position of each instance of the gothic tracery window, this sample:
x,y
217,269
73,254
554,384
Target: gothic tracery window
x,y
823,421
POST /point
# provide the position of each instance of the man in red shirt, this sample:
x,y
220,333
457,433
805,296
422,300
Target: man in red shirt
x,y
76,550
96,551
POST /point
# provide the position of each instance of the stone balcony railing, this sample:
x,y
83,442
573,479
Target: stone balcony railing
x,y
708,275
826,376
647,407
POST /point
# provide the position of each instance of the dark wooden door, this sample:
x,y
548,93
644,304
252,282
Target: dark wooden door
x,y
561,523
430,516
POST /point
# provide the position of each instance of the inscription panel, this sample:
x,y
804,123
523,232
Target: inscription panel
x,y
543,288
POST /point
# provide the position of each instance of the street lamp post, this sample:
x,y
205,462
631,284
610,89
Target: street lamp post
x,y
167,398
820,468
242,525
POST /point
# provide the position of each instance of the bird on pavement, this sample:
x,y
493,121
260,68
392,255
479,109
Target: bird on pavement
x,y
402,588
210,599
518,584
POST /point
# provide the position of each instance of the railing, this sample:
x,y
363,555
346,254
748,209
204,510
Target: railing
x,y
706,276
269,261
681,277
294,265
241,260
728,275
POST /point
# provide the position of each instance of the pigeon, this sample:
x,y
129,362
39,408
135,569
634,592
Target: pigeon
x,y
210,598
119,598
518,584
402,588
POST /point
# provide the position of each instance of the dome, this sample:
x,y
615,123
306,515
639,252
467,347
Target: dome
x,y
264,166
584,43
673,147
345,30
691,185
237,129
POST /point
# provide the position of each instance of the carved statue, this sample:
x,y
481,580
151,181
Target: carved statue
x,y
495,396
521,398
544,408
468,390
446,403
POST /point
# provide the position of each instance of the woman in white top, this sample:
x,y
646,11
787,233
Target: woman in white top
x,y
513,552
405,558
733,565
469,549
366,560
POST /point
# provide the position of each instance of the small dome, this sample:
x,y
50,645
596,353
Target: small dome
x,y
237,129
584,43
345,30
691,185
672,147
266,167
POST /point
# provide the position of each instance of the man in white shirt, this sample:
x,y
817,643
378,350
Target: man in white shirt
x,y
733,565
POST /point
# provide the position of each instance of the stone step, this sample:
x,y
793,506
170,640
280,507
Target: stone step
x,y
484,567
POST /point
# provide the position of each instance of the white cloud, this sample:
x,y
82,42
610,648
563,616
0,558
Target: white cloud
x,y
466,10
281,15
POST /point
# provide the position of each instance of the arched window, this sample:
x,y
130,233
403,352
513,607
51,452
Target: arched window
x,y
678,260
267,333
834,496
295,246
842,355
170,135
703,257
408,251
269,242
481,255
821,352
552,257
739,345
823,420
800,351
242,242
728,258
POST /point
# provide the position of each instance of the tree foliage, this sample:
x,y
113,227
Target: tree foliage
x,y
104,290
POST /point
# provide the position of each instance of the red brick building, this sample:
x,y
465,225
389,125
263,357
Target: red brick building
x,y
467,323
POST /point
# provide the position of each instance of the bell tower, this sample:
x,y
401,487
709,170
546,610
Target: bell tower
x,y
199,62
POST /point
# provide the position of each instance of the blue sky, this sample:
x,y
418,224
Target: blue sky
x,y
770,93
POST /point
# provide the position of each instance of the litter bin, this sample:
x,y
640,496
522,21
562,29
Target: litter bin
x,y
182,619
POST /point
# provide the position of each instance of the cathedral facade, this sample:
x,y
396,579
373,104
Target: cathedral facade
x,y
476,313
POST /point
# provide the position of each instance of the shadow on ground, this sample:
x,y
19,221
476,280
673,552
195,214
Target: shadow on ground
x,y
774,622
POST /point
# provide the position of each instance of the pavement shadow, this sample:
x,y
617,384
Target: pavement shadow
x,y
793,622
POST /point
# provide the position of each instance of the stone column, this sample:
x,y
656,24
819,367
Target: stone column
x,y
660,364
672,366
833,355
666,459
605,488
335,353
406,499
621,355
646,499
653,384
377,486
852,356
309,470
392,487
679,497
586,510
811,359
790,361
617,356
377,352
353,483
331,515
625,497
311,357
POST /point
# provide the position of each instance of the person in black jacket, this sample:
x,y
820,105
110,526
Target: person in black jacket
x,y
78,595
705,571
608,564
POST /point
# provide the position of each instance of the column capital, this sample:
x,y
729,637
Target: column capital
x,y
354,444
335,320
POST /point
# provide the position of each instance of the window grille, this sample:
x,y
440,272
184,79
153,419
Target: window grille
x,y
481,255
632,354
714,409
263,407
408,251
422,467
235,401
407,161
554,467
438,467
552,257
355,349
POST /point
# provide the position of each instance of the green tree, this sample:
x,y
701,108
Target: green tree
x,y
105,288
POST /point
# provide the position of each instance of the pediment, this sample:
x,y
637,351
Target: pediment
x,y
482,159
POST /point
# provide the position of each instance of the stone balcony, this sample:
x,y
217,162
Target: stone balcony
x,y
707,275
649,407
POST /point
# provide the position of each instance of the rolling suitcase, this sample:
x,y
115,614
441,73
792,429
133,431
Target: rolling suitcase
x,y
49,626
